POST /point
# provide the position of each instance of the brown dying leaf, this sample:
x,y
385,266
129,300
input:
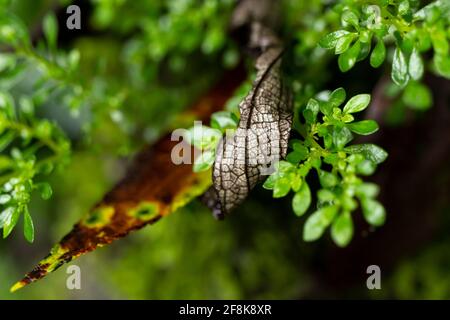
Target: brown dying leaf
x,y
152,188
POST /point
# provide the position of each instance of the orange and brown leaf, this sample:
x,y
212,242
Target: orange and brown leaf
x,y
152,188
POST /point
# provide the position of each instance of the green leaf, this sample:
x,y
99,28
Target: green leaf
x,y
10,216
366,168
348,203
4,198
347,60
415,65
283,167
317,222
28,226
350,18
281,187
203,137
399,72
299,153
296,181
367,190
301,149
439,41
224,120
270,181
311,111
373,212
342,229
5,215
365,50
303,170
354,159
442,64
45,190
293,143
325,107
337,97
417,96
50,28
316,162
403,7
365,36
45,168
357,103
204,161
381,30
405,42
343,43
346,118
302,200
331,158
364,127
341,136
295,157
329,41
433,13
378,54
423,40
370,151
327,179
328,141
325,196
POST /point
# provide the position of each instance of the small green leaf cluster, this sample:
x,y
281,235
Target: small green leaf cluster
x,y
413,31
206,138
30,148
327,129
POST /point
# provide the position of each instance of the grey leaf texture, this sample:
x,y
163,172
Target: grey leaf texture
x,y
247,156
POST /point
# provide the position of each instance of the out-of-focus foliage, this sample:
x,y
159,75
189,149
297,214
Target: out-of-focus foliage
x,y
171,30
98,92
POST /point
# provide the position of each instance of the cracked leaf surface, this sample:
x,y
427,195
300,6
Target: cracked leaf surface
x,y
247,156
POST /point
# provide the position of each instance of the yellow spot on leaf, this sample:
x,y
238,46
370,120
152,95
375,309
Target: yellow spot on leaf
x,y
145,211
99,217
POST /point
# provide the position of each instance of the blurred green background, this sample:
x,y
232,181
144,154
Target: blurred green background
x,y
161,55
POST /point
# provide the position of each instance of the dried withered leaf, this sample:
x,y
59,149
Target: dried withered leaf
x,y
152,188
245,157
